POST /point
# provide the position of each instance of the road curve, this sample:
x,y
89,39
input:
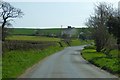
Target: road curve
x,y
67,63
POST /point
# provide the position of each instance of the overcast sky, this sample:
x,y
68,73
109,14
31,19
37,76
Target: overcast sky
x,y
54,13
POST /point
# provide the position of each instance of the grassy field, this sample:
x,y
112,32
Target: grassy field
x,y
110,64
32,38
22,31
49,31
74,42
26,31
16,62
26,42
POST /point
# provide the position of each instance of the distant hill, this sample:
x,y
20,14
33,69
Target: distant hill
x,y
22,31
56,31
26,31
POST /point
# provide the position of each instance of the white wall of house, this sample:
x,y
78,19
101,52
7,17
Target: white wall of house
x,y
69,31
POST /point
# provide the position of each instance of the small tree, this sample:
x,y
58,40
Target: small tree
x,y
7,13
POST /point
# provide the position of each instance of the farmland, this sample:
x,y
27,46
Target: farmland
x,y
74,41
25,31
32,38
21,49
22,31
21,52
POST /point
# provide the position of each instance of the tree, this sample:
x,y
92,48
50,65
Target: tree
x,y
97,23
113,25
8,13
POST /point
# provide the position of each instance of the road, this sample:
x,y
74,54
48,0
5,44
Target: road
x,y
67,63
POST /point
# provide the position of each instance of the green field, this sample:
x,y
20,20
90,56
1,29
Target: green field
x,y
22,31
16,61
99,59
25,31
74,42
32,38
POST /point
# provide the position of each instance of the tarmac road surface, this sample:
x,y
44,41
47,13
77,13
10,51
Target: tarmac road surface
x,y
67,63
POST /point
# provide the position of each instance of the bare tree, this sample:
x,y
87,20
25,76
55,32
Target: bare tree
x,y
98,24
8,13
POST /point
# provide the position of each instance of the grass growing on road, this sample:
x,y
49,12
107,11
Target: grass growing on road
x,y
110,64
16,62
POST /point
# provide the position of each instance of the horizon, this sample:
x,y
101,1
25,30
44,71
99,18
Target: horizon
x,y
47,27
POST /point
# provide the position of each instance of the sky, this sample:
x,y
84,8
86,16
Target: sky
x,y
54,13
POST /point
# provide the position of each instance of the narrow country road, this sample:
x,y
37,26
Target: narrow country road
x,y
67,63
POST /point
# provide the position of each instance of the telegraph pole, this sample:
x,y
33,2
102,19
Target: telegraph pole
x,y
61,37
61,31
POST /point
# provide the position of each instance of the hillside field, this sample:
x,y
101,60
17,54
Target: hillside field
x,y
27,31
32,38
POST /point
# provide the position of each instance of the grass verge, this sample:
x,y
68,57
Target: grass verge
x,y
111,64
16,62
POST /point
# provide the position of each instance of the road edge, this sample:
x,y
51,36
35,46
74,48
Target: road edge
x,y
92,64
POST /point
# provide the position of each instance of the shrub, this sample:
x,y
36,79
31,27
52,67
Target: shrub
x,y
90,47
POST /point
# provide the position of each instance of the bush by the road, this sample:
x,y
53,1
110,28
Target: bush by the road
x,y
17,61
99,59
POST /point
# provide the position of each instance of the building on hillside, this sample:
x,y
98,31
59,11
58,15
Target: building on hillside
x,y
69,31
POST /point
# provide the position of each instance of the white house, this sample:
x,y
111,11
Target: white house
x,y
69,31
